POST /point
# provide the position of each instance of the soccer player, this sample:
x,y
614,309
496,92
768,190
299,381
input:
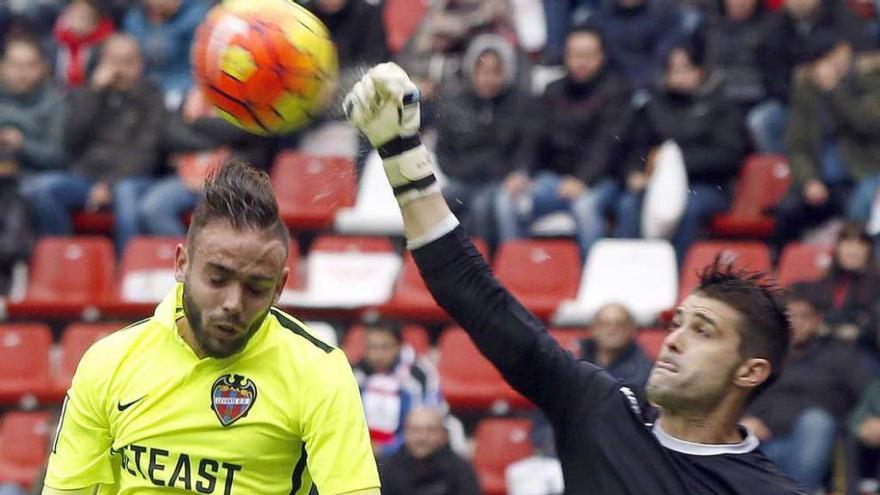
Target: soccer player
x,y
727,341
218,392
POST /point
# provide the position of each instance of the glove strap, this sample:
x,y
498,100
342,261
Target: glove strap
x,y
399,145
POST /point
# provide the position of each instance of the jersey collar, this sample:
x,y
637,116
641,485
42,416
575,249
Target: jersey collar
x,y
171,309
749,443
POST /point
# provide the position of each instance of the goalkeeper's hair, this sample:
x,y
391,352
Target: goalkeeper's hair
x,y
242,196
763,327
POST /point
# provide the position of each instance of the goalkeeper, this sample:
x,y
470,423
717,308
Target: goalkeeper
x,y
727,342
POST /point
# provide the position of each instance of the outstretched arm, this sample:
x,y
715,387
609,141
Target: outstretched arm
x,y
384,105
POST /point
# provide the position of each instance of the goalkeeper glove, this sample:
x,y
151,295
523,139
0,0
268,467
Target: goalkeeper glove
x,y
384,105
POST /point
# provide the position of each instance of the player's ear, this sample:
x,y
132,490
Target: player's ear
x,y
281,283
752,373
181,260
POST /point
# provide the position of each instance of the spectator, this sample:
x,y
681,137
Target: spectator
x,y
789,31
581,117
690,110
80,30
31,108
797,418
851,289
734,39
438,43
822,174
393,381
113,132
613,346
856,113
426,465
165,30
865,427
16,231
481,132
197,129
541,472
638,33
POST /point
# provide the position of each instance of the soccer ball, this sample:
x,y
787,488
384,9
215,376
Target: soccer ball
x,y
267,66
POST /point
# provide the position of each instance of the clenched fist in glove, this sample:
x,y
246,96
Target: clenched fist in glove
x,y
384,105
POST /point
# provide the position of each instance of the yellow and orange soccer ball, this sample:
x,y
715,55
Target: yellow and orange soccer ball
x,y
267,66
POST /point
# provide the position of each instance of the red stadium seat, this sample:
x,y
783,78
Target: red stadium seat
x,y
311,188
24,362
401,18
75,341
752,256
540,273
93,222
25,446
414,335
763,182
411,298
651,340
67,276
146,274
468,380
803,262
345,243
499,443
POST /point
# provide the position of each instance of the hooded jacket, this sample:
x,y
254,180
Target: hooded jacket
x,y
481,139
39,115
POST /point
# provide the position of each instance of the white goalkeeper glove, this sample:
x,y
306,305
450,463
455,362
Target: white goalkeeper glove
x,y
384,105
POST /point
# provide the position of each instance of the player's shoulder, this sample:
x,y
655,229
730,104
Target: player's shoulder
x,y
107,351
295,336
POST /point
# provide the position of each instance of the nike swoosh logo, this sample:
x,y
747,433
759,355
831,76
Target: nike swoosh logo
x,y
122,407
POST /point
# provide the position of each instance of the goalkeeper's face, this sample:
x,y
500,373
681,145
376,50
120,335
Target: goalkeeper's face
x,y
700,367
230,279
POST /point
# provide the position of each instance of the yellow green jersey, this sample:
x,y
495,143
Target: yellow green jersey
x,y
145,415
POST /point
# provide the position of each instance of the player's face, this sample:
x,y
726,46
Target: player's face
x,y
381,350
740,10
699,359
230,279
22,68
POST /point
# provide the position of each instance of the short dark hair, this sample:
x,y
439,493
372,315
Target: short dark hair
x,y
241,195
808,293
764,330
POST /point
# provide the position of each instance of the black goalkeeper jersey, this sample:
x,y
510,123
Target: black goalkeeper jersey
x,y
604,441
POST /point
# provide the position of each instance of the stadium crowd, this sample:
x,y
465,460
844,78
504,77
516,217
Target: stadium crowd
x,y
588,112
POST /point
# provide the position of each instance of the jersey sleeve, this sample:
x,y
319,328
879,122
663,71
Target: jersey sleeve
x,y
513,339
80,455
339,454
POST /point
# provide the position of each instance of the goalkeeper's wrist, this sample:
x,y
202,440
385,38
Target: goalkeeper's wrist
x,y
408,166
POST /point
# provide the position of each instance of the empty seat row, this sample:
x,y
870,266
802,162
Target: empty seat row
x,y
77,277
27,368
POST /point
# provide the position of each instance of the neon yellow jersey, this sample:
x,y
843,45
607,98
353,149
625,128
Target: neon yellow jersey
x,y
145,415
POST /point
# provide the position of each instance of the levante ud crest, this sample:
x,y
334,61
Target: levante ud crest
x,y
232,396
